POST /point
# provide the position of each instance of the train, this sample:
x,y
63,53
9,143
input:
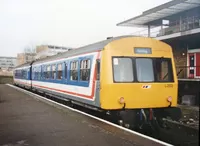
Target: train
x,y
133,79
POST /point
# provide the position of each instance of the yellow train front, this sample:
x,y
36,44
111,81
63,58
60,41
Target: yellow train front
x,y
138,80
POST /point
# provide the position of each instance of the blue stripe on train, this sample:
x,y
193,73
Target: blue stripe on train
x,y
64,80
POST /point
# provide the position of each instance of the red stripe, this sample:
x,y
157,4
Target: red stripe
x,y
64,91
73,93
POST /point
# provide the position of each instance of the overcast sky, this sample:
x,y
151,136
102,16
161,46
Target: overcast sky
x,y
71,23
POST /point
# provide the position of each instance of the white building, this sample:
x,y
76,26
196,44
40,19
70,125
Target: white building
x,y
49,50
7,63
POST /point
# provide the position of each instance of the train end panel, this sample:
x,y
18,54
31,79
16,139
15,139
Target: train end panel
x,y
138,96
139,72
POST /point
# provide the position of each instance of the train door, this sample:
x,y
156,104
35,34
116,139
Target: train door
x,y
191,61
197,65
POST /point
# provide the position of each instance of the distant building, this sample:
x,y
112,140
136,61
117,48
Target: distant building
x,y
41,51
49,50
25,57
6,65
7,62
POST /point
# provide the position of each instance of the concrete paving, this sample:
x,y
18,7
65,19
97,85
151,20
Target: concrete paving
x,y
27,121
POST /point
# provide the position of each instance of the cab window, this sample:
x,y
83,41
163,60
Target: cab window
x,y
123,70
144,68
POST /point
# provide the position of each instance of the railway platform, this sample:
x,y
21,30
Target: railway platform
x,y
25,120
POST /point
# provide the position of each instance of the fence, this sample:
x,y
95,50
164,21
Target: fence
x,y
182,25
186,72
6,79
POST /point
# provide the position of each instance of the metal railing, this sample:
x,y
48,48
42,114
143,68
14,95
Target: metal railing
x,y
181,25
187,72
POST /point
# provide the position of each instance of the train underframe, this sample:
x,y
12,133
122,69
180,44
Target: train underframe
x,y
148,118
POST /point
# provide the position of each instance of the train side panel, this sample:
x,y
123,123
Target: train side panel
x,y
22,77
85,92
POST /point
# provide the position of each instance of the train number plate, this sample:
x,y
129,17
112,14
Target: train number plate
x,y
169,86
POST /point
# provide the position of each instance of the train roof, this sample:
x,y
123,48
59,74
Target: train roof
x,y
85,49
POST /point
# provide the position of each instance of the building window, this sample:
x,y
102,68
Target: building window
x,y
59,71
85,70
54,71
74,71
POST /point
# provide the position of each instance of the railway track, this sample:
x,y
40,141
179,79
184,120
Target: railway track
x,y
180,134
174,132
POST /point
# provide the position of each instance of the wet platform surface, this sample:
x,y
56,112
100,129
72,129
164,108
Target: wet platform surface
x,y
24,120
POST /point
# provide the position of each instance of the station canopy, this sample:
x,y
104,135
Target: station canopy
x,y
163,11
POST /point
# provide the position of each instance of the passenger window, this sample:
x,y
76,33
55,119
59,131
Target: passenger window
x,y
36,73
98,70
33,73
45,72
39,72
59,71
65,71
24,74
48,72
54,71
74,71
85,70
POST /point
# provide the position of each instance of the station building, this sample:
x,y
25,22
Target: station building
x,y
6,65
178,24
